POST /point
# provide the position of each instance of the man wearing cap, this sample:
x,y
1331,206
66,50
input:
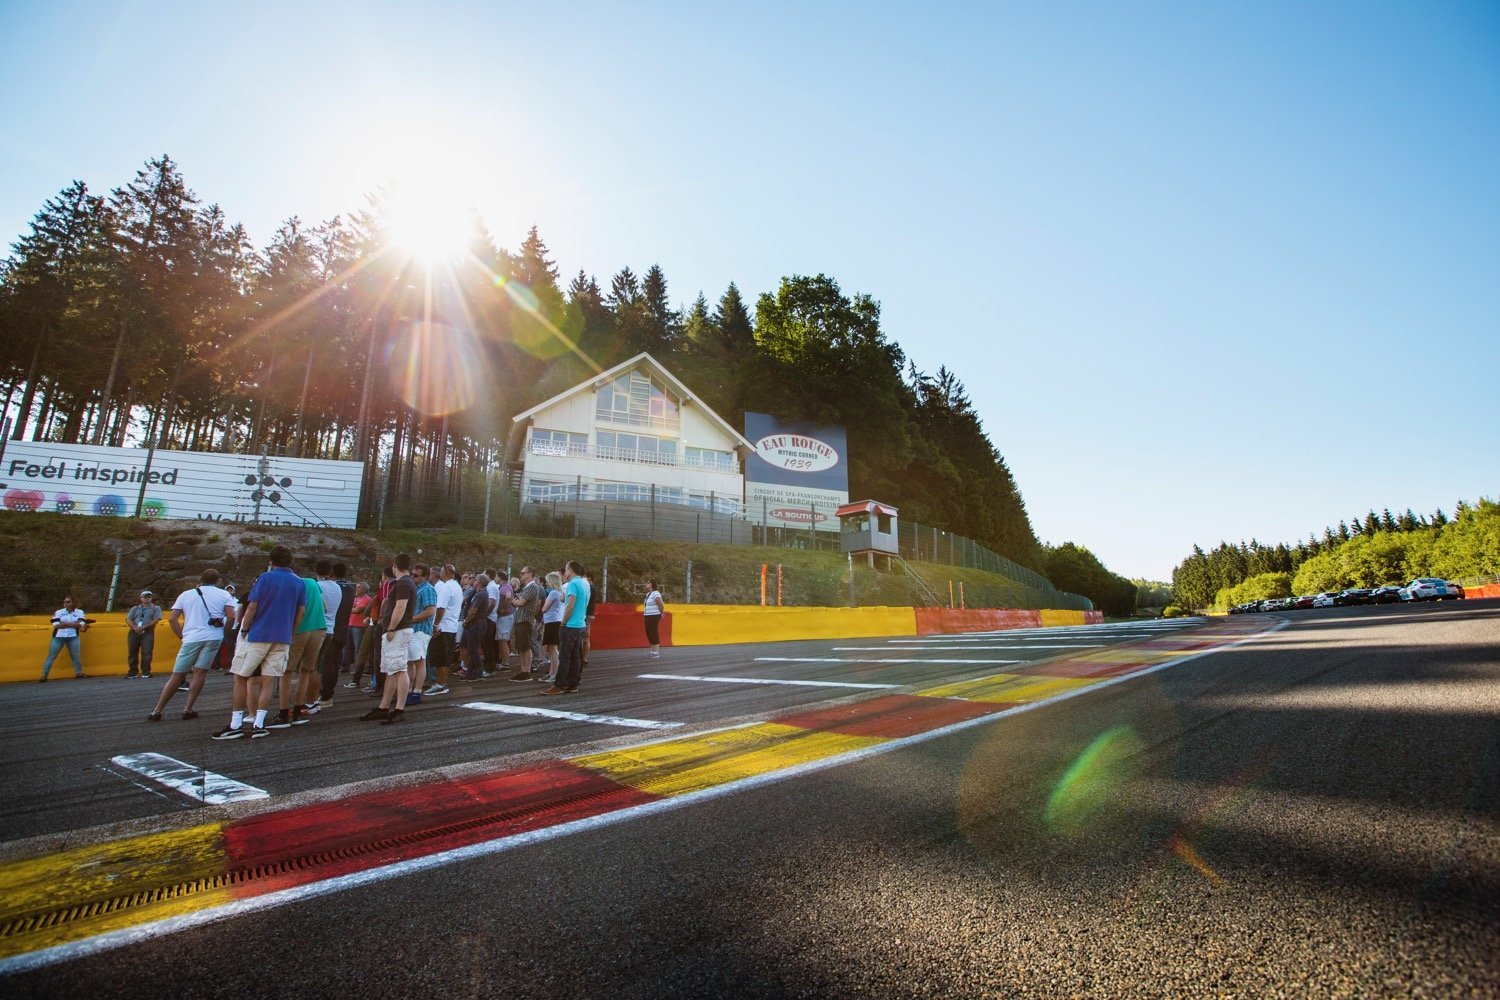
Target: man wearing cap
x,y
140,639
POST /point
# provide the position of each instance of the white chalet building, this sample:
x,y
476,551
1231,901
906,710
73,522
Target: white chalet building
x,y
631,434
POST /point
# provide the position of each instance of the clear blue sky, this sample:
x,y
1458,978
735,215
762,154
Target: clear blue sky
x,y
1208,270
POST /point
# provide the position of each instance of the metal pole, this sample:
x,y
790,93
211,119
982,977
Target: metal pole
x,y
489,488
114,582
688,593
852,602
604,581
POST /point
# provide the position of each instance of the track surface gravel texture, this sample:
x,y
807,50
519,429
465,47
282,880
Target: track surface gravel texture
x,y
1311,811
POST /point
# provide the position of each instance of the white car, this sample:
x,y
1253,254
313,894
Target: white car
x,y
1428,588
1324,600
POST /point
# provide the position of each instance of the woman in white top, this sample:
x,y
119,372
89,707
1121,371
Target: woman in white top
x,y
552,616
654,608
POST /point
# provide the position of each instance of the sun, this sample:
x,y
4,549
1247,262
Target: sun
x,y
425,220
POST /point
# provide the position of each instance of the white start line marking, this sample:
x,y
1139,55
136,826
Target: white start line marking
x,y
194,782
767,680
854,659
550,713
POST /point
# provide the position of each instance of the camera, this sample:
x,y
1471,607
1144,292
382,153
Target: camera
x,y
216,622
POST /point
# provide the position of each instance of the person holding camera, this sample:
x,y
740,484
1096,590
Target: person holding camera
x,y
68,623
198,619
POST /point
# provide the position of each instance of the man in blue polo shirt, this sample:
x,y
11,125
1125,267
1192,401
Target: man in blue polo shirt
x,y
274,608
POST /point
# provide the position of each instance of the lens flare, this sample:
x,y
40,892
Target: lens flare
x,y
436,369
1094,779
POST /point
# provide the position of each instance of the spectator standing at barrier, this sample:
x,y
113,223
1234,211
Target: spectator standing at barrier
x,y
492,629
68,623
444,648
395,622
370,646
140,639
198,619
528,603
588,617
505,620
471,635
654,608
302,659
421,631
575,606
552,616
273,609
355,621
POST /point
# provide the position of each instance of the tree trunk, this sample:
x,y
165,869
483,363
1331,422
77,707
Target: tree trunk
x,y
27,397
109,384
302,400
49,391
258,429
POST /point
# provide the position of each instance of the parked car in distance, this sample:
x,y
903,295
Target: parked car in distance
x,y
1385,595
1354,595
1305,601
1428,588
1324,600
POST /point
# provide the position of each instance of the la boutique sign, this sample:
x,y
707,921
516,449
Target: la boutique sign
x,y
796,453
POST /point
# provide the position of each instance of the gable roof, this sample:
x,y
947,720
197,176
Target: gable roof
x,y
642,360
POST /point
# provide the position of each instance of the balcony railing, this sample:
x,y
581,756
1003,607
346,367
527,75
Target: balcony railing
x,y
568,449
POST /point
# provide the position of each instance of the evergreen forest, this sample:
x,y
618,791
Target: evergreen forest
x,y
1370,551
145,314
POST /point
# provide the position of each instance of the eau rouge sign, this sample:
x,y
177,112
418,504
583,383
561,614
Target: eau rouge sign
x,y
798,474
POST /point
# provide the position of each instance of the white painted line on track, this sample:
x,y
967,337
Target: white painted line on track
x,y
765,680
550,713
857,659
127,936
914,647
194,782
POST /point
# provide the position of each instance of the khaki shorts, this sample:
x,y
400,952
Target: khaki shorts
x,y
259,659
393,651
419,643
306,646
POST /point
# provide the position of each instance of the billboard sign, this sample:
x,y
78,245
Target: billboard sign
x,y
798,474
86,479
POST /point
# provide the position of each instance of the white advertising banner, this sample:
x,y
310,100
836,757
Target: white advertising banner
x,y
106,482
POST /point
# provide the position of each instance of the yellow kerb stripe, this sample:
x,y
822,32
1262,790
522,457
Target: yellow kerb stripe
x,y
73,879
1008,687
697,762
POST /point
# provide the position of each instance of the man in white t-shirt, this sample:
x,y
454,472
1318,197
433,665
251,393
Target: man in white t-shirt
x,y
198,618
492,633
450,601
68,622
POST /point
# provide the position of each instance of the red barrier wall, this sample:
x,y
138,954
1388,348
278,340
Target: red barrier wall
x,y
619,626
1488,590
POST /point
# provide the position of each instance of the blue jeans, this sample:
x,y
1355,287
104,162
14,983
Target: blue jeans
x,y
57,647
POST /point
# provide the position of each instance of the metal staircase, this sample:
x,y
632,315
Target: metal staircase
x,y
920,588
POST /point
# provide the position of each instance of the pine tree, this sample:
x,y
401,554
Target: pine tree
x,y
732,320
658,331
1387,521
1372,523
534,266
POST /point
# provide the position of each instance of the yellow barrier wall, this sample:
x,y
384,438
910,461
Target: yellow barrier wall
x,y
722,624
1052,619
25,638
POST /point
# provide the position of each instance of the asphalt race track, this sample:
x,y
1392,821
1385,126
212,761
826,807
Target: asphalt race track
x,y
1307,810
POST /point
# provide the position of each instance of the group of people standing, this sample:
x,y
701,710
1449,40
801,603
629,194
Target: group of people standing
x,y
422,627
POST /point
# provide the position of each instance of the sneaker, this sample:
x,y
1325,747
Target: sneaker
x,y
283,720
520,677
187,716
653,656
371,692
325,701
78,676
131,677
145,677
435,690
227,734
393,718
571,690
554,689
154,717
415,698
312,709
351,685
299,716
373,715
485,675
258,732
42,679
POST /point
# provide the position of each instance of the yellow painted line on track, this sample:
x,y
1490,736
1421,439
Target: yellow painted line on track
x,y
69,893
1007,687
693,763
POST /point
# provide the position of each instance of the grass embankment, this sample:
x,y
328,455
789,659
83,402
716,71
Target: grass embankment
x,y
43,556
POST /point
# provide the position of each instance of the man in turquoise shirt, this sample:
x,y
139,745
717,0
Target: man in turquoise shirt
x,y
575,610
302,662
